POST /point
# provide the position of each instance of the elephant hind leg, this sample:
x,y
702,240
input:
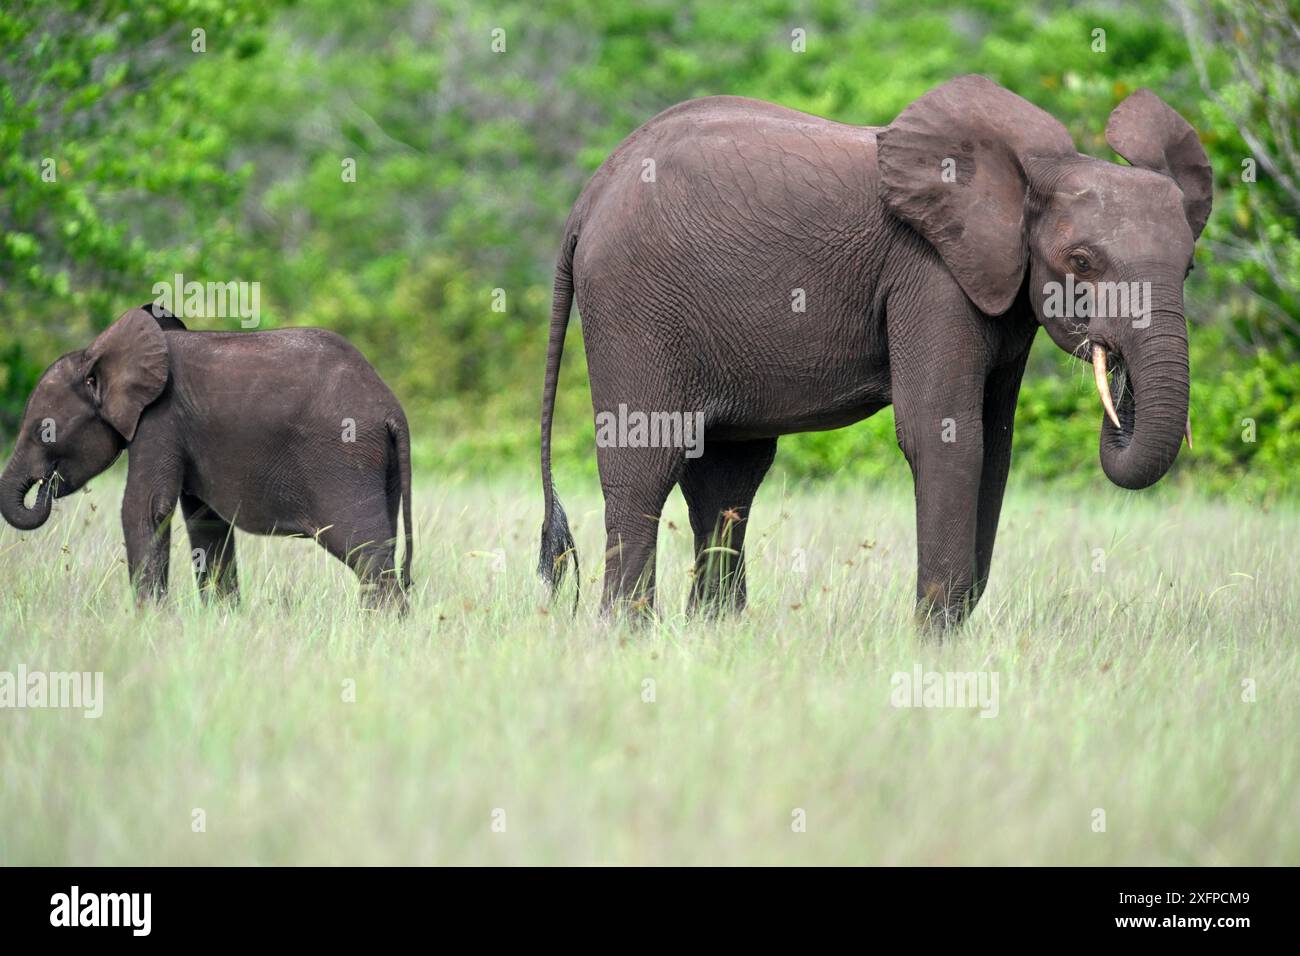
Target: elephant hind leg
x,y
719,488
636,483
370,550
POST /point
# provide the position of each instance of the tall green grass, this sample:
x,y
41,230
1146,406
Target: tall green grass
x,y
1120,690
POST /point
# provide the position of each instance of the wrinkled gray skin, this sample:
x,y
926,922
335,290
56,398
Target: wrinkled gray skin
x,y
246,429
921,292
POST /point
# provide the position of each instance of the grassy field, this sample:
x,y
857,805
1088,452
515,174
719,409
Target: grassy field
x,y
1120,690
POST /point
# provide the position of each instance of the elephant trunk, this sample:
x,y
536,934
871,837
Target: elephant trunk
x,y
16,481
1151,391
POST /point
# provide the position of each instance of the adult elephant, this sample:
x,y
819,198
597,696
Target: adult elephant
x,y
778,272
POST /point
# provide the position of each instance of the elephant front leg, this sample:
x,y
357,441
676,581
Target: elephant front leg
x,y
146,524
212,549
148,545
939,421
939,364
946,471
1000,394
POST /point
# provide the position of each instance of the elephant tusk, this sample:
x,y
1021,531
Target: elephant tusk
x,y
1103,386
1187,431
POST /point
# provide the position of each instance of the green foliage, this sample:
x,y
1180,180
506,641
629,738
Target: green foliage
x,y
112,168
1245,414
437,260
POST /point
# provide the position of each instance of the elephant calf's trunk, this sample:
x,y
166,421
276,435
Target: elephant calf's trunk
x,y
13,501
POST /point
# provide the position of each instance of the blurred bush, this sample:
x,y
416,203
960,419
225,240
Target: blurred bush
x,y
229,164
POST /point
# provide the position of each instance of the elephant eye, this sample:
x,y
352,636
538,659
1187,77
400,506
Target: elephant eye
x,y
1080,263
92,384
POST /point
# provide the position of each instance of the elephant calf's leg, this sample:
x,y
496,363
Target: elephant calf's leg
x,y
719,488
147,510
212,549
371,553
148,543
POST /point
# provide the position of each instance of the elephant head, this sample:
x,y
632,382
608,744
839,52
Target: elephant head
x,y
83,412
996,187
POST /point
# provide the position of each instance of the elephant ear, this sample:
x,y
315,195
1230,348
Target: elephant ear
x,y
953,167
166,321
129,363
1149,133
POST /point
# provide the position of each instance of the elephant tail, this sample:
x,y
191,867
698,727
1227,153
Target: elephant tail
x,y
557,541
400,435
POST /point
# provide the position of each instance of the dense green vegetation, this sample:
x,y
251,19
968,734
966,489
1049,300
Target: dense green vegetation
x,y
231,164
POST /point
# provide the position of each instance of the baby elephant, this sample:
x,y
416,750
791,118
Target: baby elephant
x,y
283,432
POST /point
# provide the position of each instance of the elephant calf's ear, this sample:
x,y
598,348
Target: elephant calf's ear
x,y
166,321
952,166
1150,134
129,361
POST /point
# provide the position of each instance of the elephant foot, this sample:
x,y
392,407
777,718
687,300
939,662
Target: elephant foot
x,y
940,610
714,599
386,596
